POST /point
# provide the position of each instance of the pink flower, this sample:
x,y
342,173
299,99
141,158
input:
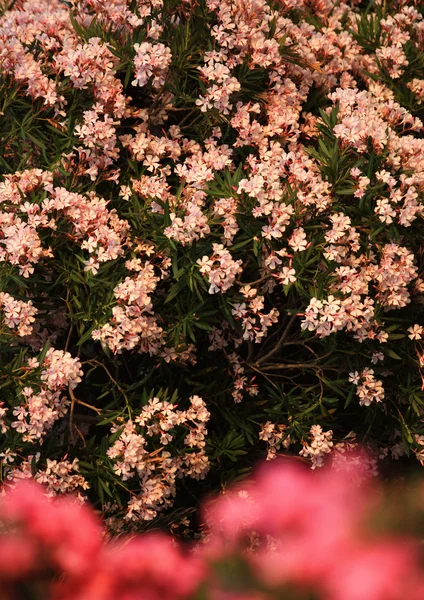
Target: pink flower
x,y
382,570
150,567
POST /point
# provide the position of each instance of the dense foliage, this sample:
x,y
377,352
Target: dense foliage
x,y
210,242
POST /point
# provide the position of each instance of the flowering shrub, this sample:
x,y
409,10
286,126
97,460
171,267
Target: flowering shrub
x,y
289,533
210,242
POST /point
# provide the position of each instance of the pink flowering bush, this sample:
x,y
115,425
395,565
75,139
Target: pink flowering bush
x,y
211,244
288,533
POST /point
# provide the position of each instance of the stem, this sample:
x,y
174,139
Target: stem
x,y
99,364
71,414
280,343
97,410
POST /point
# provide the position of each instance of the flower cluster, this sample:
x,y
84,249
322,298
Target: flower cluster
x,y
255,321
220,269
275,436
17,314
369,389
151,61
158,470
320,444
42,404
133,323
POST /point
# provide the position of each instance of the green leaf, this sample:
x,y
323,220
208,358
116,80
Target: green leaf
x,y
44,351
391,353
86,336
175,290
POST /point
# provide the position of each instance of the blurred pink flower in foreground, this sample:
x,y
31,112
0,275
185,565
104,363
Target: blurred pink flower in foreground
x,y
287,533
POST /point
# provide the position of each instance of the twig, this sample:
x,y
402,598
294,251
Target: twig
x,y
269,338
68,338
80,418
71,414
74,400
192,111
313,366
81,436
280,342
263,278
97,410
276,366
95,363
263,375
